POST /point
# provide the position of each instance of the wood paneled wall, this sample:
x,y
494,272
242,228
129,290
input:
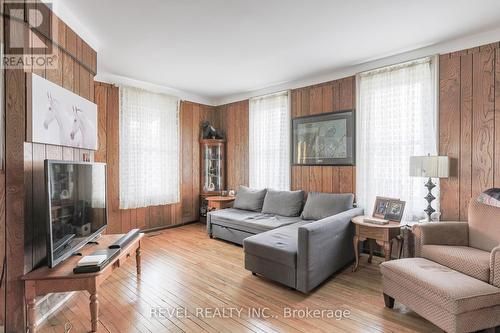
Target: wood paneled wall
x,y
232,119
234,124
123,220
2,249
469,128
3,240
25,194
78,77
154,217
192,115
334,96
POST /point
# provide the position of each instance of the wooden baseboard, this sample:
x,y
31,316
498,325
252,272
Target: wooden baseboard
x,y
167,227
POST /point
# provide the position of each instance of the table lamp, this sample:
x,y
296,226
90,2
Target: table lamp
x,y
431,167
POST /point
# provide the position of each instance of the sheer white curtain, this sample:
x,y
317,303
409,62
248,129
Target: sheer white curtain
x,y
98,186
149,148
269,142
396,118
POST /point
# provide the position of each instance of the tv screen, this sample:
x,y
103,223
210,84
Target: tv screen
x,y
76,205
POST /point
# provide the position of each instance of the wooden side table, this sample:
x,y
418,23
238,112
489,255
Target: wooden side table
x,y
383,235
218,202
61,278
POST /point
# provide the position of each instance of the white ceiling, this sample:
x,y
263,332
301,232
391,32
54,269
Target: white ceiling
x,y
221,48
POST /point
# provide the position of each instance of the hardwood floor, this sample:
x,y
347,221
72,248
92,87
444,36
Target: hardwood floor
x,y
183,270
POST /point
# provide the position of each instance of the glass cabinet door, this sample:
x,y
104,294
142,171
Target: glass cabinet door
x,y
212,166
213,169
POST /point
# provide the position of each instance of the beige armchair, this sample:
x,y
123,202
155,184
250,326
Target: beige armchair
x,y
454,281
495,267
472,248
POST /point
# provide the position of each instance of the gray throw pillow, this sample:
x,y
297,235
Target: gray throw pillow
x,y
284,203
249,199
321,205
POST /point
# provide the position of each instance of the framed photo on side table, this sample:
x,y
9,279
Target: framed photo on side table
x,y
380,208
389,209
395,210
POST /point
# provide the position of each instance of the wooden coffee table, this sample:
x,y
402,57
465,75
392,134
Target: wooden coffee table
x,y
383,235
61,278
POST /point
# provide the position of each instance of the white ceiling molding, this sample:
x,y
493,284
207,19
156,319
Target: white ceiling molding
x,y
232,48
440,48
183,95
226,71
458,44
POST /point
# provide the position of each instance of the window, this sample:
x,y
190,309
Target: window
x,y
396,118
149,148
269,142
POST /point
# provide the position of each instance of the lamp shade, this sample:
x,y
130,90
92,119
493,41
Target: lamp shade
x,y
430,166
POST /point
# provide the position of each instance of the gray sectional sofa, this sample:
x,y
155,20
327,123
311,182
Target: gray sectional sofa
x,y
286,241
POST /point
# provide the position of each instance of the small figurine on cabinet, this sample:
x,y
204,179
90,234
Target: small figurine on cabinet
x,y
209,132
211,187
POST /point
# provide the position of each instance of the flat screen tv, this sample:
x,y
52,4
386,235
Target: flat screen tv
x,y
76,206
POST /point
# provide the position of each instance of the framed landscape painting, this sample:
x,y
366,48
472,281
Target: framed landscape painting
x,y
326,139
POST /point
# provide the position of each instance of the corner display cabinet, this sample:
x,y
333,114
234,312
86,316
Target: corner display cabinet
x,y
213,161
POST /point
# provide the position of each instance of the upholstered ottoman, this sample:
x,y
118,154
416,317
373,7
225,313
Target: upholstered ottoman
x,y
449,299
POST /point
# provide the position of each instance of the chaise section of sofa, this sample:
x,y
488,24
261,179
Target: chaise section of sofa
x,y
303,255
324,247
273,254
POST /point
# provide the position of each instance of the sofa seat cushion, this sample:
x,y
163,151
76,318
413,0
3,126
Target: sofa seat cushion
x,y
468,260
444,287
278,245
249,221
